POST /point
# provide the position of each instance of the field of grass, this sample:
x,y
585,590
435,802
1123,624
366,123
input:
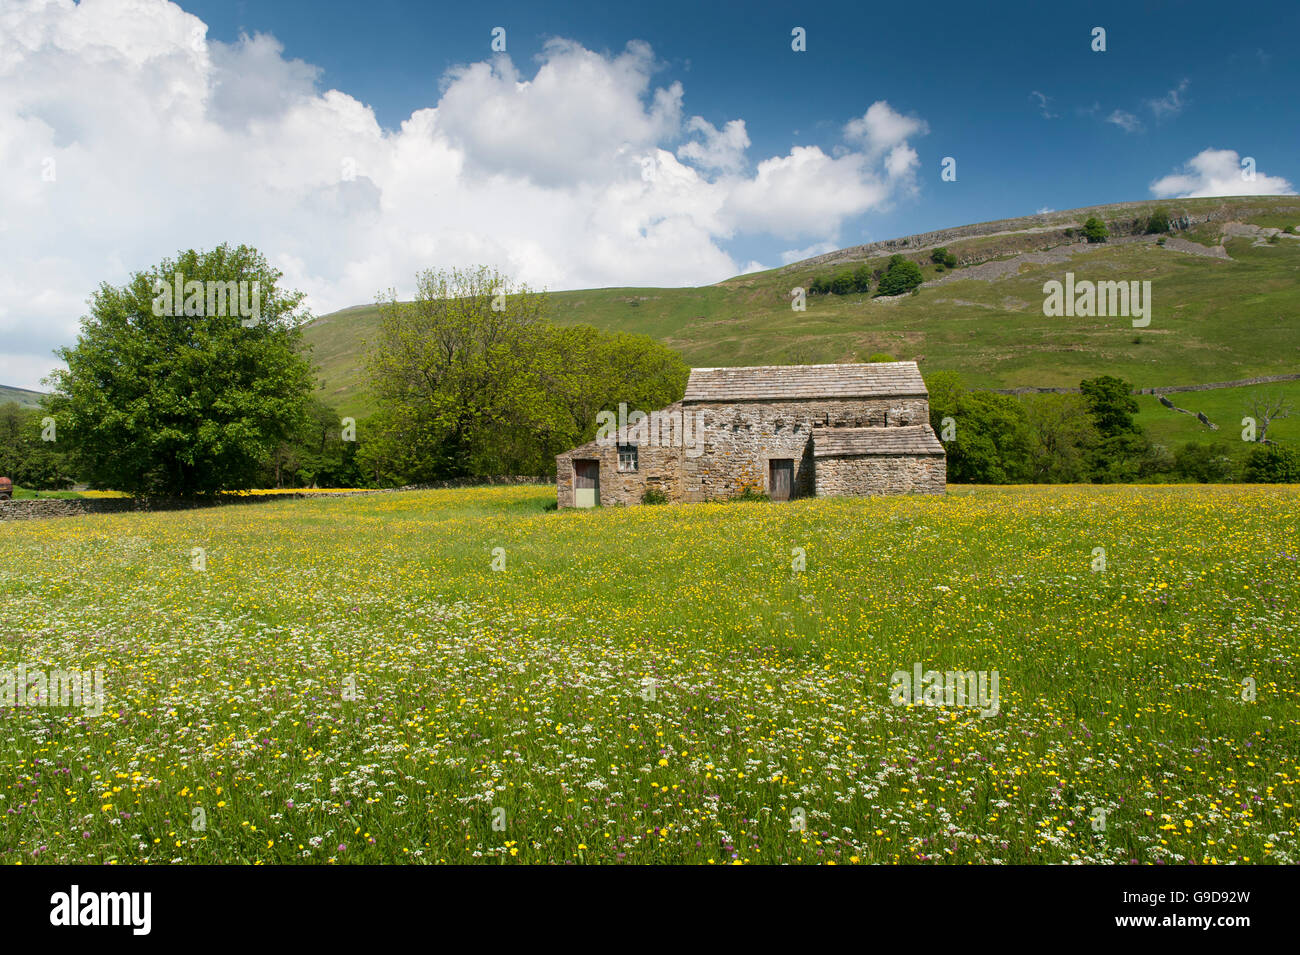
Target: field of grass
x,y
1213,319
1224,407
350,680
28,494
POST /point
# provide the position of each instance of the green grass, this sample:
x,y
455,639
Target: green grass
x,y
1224,407
1214,320
27,494
349,680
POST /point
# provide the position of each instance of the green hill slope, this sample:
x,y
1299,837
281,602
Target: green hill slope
x,y
24,397
1226,305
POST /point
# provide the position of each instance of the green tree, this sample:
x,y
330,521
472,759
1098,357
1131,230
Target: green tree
x,y
317,453
862,278
1202,462
991,440
902,275
1094,230
1111,404
1272,464
187,396
1063,438
448,365
1123,453
473,380
26,457
843,283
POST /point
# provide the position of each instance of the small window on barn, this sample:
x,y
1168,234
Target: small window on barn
x,y
627,457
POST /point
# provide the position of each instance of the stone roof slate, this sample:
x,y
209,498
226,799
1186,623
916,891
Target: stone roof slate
x,y
896,379
852,442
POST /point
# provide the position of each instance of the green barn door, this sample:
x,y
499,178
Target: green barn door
x,y
586,483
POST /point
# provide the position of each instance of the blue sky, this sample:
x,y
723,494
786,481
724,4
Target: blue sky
x,y
971,70
662,144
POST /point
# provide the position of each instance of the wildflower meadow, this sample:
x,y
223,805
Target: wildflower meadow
x,y
471,676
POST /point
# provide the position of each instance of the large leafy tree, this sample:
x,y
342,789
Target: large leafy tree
x,y
1123,453
472,379
1064,437
190,401
991,440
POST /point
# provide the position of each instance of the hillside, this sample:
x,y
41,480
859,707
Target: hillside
x,y
24,397
1226,305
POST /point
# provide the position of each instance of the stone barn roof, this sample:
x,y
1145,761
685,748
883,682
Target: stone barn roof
x,y
894,379
853,442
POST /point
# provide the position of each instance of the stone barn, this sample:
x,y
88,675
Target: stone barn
x,y
784,430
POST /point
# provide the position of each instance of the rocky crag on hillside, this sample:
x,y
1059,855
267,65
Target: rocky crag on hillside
x,y
1050,229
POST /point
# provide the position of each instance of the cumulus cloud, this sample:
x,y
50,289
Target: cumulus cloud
x,y
1219,172
881,129
126,134
722,149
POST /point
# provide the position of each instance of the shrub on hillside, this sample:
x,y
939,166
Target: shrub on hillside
x,y
862,279
1094,230
1158,222
900,277
943,257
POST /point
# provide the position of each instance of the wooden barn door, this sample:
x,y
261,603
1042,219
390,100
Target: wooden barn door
x,y
780,478
586,483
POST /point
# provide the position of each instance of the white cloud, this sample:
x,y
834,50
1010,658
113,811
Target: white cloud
x,y
803,195
1218,172
880,129
160,139
1125,121
720,149
1043,101
798,255
1169,105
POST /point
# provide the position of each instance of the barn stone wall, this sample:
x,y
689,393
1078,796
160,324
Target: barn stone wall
x,y
738,441
880,474
657,467
740,438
